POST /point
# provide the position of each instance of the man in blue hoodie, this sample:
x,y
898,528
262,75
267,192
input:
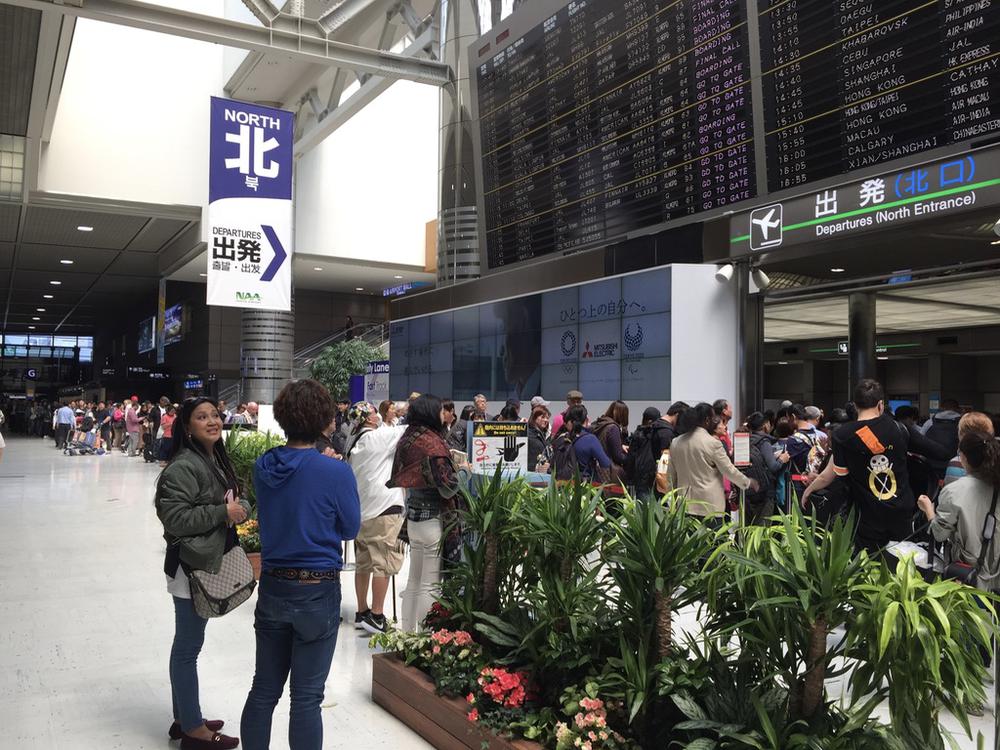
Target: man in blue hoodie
x,y
307,506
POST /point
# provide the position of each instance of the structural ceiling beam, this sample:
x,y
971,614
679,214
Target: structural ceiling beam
x,y
300,45
368,92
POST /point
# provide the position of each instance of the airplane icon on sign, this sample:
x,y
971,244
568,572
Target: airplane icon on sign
x,y
766,227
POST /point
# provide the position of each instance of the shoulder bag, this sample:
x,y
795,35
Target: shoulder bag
x,y
216,594
965,573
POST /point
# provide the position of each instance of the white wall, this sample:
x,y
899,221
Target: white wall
x,y
704,336
369,189
132,121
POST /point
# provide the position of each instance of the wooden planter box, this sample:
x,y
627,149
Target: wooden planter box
x,y
408,694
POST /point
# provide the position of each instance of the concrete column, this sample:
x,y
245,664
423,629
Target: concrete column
x,y
861,337
458,230
268,346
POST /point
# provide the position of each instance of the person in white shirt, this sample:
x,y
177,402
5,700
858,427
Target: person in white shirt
x,y
378,552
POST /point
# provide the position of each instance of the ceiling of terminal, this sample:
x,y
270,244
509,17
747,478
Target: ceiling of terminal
x,y
58,275
968,303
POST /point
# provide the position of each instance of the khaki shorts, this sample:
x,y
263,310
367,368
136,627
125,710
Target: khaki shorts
x,y
377,546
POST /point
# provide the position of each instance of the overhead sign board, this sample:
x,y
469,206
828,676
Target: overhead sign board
x,y
500,443
249,227
400,289
934,189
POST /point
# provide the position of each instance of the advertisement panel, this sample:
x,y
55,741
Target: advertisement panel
x,y
249,224
377,382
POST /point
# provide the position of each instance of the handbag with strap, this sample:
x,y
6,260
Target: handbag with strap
x,y
965,573
215,594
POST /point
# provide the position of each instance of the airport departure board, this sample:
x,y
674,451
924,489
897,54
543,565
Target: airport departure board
x,y
613,115
602,117
856,83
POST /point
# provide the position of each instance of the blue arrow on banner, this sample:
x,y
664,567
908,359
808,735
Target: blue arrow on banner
x,y
279,254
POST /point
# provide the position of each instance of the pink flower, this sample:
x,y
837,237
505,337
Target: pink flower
x,y
591,704
592,736
586,746
462,638
470,698
436,650
473,715
602,734
579,720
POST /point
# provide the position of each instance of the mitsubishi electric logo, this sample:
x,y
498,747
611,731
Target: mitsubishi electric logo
x,y
766,227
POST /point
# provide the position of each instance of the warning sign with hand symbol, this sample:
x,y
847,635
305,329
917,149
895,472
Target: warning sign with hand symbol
x,y
500,443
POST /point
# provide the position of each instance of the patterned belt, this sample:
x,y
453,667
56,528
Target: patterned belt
x,y
294,574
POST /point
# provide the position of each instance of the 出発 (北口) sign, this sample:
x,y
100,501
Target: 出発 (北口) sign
x,y
938,188
250,206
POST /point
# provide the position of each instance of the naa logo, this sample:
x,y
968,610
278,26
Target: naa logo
x,y
250,298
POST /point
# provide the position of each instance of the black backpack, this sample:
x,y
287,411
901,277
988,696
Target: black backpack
x,y
564,463
641,463
758,470
944,432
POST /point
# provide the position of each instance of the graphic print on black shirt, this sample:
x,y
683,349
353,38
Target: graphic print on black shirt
x,y
873,453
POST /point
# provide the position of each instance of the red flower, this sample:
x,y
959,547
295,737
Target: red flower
x,y
474,715
470,698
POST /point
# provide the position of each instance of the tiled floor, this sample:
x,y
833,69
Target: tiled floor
x,y
86,622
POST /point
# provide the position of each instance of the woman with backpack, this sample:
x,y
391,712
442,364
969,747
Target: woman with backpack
x,y
611,430
577,452
765,467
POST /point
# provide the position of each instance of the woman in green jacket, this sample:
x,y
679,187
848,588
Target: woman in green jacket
x,y
197,500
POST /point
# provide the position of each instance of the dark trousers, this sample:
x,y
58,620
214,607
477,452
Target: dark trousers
x,y
189,636
296,625
62,435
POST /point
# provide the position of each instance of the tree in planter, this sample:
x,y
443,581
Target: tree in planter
x,y
779,591
655,555
921,645
244,448
559,621
484,583
335,364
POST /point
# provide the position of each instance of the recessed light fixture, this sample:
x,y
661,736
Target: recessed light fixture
x,y
55,283
359,288
203,275
31,328
84,228
317,268
883,358
995,242
782,363
48,296
66,262
397,276
39,309
36,318
837,270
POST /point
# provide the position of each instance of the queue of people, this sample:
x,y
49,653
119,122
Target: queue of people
x,y
386,476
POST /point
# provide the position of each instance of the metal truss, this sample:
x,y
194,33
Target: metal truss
x,y
315,123
296,37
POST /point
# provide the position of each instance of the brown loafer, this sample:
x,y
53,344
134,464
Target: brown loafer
x,y
218,742
213,725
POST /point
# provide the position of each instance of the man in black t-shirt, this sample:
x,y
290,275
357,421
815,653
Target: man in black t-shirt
x,y
871,453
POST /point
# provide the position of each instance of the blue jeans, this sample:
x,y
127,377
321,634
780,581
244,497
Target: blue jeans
x,y
296,626
189,635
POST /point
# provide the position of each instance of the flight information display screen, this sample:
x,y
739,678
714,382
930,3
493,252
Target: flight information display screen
x,y
600,117
856,83
612,115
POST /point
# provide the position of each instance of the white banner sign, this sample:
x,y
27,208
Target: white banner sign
x,y
377,382
249,232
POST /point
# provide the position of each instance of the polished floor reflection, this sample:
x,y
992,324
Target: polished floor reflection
x,y
86,622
